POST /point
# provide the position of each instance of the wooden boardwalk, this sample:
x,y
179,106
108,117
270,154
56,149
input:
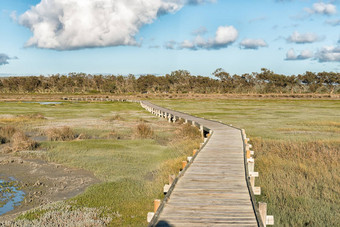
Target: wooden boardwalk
x,y
213,191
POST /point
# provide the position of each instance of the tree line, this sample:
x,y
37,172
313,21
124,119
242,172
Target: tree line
x,y
180,81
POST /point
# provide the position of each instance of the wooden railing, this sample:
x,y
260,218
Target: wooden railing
x,y
260,211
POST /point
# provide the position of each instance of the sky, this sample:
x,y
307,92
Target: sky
x,y
44,37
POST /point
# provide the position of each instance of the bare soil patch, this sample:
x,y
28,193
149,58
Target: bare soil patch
x,y
43,182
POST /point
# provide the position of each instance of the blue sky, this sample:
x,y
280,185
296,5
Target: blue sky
x,y
160,36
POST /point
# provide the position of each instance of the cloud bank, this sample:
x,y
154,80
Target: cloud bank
x,y
253,43
298,38
76,24
305,54
322,8
328,54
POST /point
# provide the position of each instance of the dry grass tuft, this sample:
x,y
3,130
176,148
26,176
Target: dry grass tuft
x,y
142,120
144,131
116,117
60,134
6,134
20,141
181,121
190,132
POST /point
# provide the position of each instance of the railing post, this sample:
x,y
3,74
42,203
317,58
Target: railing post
x,y
263,212
156,204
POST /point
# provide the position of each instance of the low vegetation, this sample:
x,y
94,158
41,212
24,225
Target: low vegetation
x,y
297,153
132,156
144,131
60,134
15,140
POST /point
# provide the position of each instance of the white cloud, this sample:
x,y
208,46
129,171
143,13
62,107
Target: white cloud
x,y
75,24
187,44
322,8
328,54
304,54
4,58
224,36
253,43
296,37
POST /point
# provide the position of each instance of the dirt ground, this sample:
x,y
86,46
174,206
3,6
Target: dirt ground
x,y
43,182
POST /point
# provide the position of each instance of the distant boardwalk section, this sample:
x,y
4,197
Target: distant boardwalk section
x,y
213,191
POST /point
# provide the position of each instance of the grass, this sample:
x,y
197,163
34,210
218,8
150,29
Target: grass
x,y
297,153
132,155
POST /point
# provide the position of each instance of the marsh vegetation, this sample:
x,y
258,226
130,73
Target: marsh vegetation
x,y
297,153
130,151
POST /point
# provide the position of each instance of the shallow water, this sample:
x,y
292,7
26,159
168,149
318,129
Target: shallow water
x,y
46,103
10,195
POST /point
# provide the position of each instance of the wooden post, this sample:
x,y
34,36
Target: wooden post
x,y
166,188
174,119
263,212
150,216
156,204
252,181
251,166
171,179
248,153
202,131
184,163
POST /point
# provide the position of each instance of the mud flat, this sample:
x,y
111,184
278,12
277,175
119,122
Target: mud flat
x,y
42,182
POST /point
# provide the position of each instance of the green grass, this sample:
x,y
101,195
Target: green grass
x,y
297,153
132,171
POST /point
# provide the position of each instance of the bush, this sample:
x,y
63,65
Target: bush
x,y
20,141
144,131
60,134
6,134
190,132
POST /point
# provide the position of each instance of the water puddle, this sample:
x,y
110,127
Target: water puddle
x,y
10,195
46,103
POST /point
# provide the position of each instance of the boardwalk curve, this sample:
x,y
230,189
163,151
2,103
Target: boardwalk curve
x,y
213,191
